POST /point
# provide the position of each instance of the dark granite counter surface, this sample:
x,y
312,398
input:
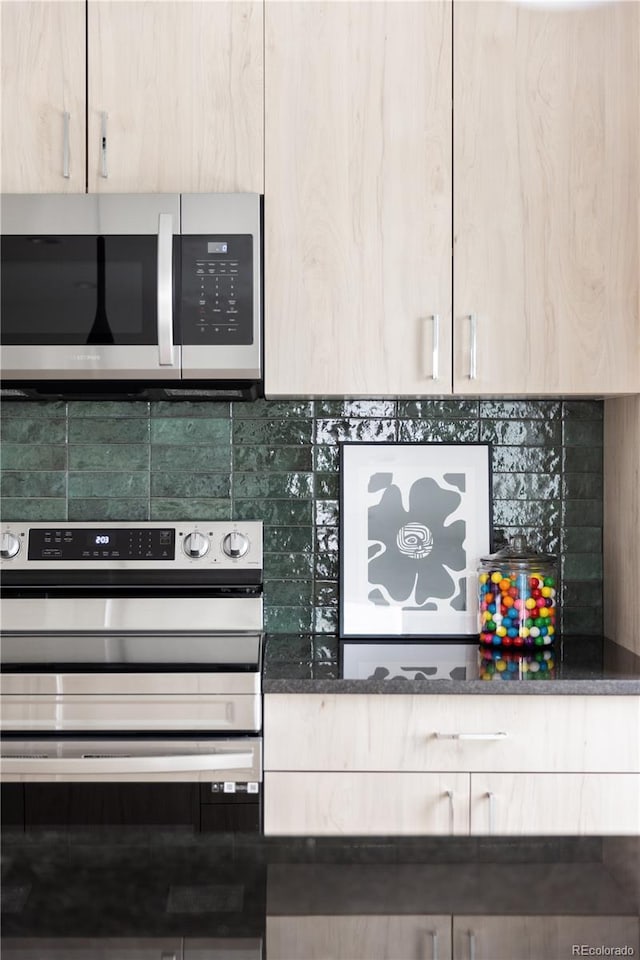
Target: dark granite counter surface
x,y
322,663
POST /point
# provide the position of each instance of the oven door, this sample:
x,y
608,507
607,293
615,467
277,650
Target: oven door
x,y
201,784
88,287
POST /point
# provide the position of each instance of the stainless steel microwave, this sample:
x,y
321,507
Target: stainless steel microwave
x,y
136,295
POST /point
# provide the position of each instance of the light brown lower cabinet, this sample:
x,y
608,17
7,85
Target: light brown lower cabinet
x,y
132,948
359,938
540,937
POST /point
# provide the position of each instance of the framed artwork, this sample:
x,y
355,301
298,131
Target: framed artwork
x,y
415,518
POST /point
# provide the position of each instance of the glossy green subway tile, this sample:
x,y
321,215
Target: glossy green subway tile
x,y
582,433
190,408
272,458
582,540
288,566
127,457
325,593
111,485
34,483
526,512
582,486
526,486
288,539
289,647
29,430
14,409
586,621
107,409
273,410
371,409
582,566
583,409
541,538
41,456
277,485
180,431
34,508
288,619
438,431
326,459
327,566
582,459
195,459
527,432
284,512
326,513
579,593
273,432
583,513
361,431
327,486
94,430
520,409
198,485
327,540
325,649
513,459
97,508
288,593
437,409
325,620
186,508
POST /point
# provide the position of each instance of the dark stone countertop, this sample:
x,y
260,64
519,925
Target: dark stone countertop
x,y
322,663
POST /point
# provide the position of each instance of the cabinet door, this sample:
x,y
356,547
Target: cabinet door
x,y
359,938
43,96
546,186
365,804
545,804
178,87
358,180
531,938
93,948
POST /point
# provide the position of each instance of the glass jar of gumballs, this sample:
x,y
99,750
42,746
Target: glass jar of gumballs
x,y
518,597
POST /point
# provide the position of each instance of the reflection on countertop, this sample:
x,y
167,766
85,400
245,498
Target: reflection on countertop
x,y
322,663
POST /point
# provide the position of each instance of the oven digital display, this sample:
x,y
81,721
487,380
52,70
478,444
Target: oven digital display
x,y
62,543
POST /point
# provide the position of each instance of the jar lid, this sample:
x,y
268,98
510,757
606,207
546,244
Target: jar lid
x,y
518,550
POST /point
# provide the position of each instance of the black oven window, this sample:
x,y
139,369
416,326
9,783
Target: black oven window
x,y
79,290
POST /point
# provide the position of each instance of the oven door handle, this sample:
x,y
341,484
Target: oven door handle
x,y
96,764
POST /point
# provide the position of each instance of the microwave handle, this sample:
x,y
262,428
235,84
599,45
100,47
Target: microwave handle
x,y
165,289
81,766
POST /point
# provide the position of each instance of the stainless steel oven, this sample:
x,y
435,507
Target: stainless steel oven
x,y
131,674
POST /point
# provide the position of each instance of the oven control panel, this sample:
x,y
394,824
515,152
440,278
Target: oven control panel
x,y
218,544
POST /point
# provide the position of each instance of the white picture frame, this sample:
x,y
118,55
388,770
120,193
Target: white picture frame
x,y
415,518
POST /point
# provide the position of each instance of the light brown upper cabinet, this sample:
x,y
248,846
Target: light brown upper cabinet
x,y
173,94
546,187
360,198
357,198
43,96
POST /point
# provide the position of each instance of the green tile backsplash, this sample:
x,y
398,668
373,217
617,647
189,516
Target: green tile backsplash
x,y
278,461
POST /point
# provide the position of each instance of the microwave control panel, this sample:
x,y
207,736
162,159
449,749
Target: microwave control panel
x,y
217,289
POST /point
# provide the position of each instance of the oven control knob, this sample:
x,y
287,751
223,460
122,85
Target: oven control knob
x,y
9,546
235,545
196,545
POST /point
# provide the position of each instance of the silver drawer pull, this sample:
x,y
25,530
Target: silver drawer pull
x,y
104,172
434,944
491,797
498,735
473,349
472,945
449,794
66,161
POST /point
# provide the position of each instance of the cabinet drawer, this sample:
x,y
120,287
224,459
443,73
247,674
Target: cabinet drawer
x,y
365,804
529,938
568,804
358,937
439,733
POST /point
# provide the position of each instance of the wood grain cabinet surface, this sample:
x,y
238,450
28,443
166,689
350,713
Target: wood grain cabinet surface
x,y
395,764
172,92
363,187
368,937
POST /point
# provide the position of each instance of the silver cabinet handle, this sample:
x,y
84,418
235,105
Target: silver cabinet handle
x,y
434,944
103,145
473,347
491,797
472,945
435,347
165,289
449,794
66,164
168,956
498,735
